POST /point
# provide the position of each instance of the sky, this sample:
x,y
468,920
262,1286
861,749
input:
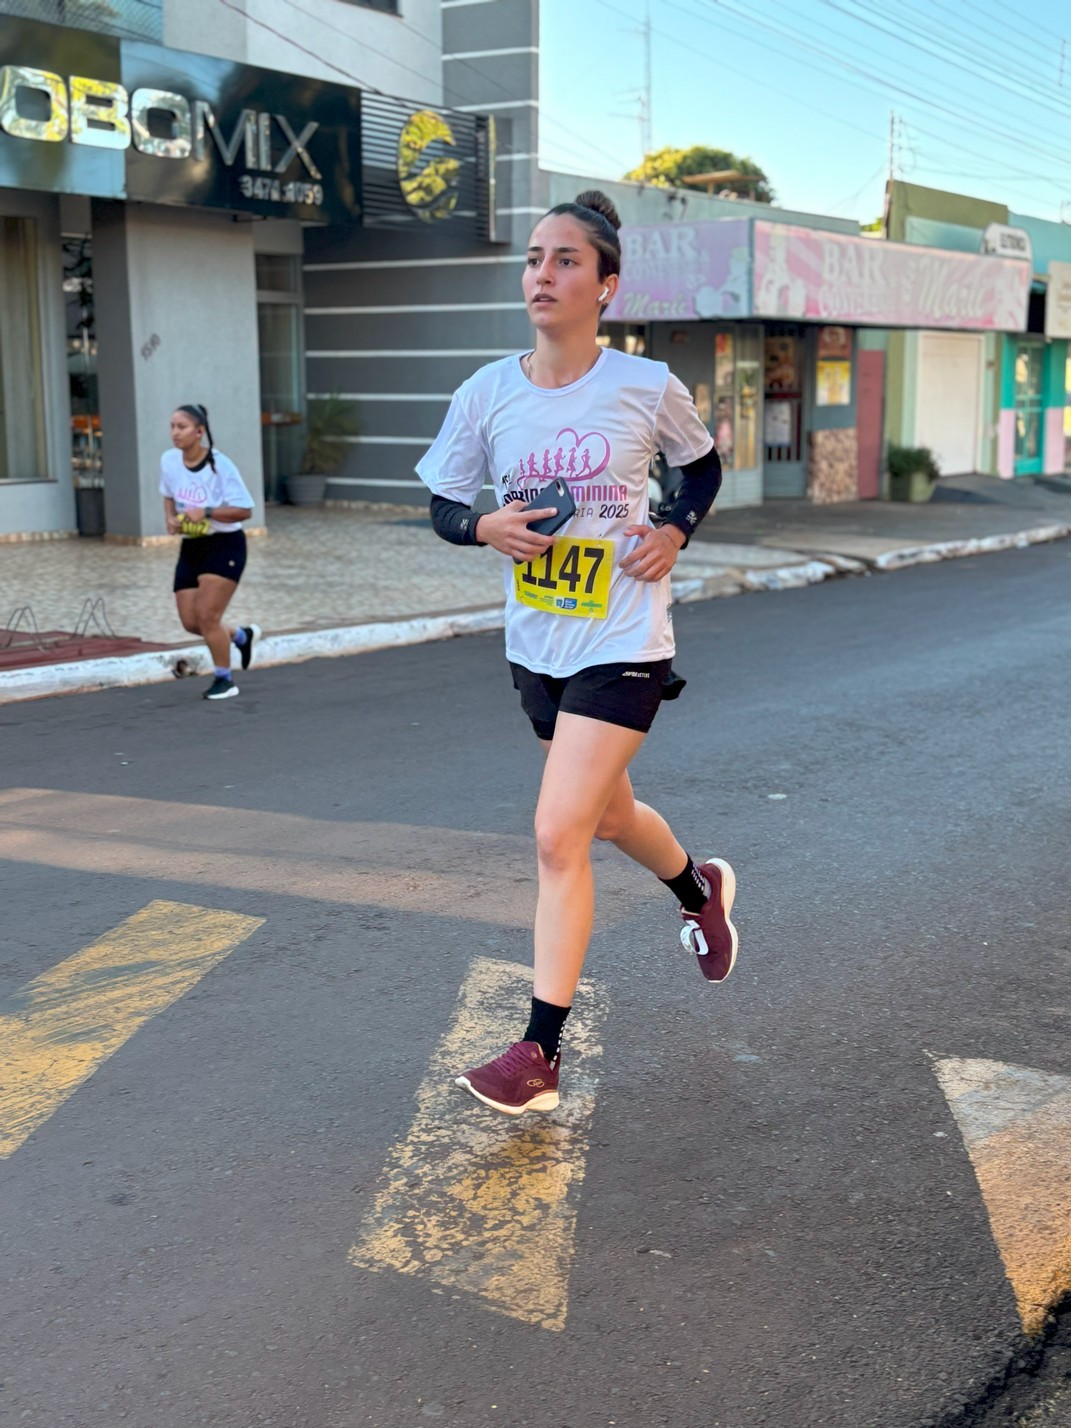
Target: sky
x,y
981,93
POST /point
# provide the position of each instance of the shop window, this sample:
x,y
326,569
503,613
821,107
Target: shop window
x,y
624,337
86,459
725,399
129,19
22,428
1029,359
281,401
748,394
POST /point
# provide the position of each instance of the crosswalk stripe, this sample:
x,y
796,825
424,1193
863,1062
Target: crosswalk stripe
x,y
1016,1125
57,1029
479,1202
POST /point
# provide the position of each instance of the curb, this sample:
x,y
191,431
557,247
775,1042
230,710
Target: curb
x,y
979,545
157,667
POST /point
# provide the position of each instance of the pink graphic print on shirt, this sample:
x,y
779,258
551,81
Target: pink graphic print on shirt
x,y
192,494
579,458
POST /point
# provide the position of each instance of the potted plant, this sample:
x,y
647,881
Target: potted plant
x,y
913,472
328,421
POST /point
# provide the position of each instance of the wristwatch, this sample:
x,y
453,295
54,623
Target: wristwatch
x,y
208,513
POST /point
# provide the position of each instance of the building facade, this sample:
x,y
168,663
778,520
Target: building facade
x,y
782,331
206,203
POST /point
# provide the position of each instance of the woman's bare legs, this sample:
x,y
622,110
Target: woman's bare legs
x,y
585,759
201,612
585,764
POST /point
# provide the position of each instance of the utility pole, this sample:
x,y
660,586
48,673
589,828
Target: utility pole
x,y
894,152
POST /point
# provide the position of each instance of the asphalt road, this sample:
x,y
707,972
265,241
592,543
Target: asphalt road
x,y
769,1217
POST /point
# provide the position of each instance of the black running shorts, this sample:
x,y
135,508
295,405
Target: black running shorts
x,y
624,694
221,554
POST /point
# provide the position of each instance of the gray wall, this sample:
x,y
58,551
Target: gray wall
x,y
176,322
45,505
344,43
397,320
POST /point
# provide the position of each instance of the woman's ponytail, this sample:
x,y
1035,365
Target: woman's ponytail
x,y
200,416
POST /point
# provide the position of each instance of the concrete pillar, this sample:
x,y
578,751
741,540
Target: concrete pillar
x,y
176,316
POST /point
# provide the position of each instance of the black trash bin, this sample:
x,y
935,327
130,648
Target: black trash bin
x,y
89,505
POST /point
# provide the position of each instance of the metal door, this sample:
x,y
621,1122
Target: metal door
x,y
784,472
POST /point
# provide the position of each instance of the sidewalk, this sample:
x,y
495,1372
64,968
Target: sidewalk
x,y
342,580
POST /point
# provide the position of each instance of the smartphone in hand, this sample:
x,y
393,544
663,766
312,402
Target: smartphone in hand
x,y
556,495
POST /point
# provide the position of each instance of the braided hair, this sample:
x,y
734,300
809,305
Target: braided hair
x,y
200,416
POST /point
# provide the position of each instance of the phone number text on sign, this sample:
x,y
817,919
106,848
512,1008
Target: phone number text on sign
x,y
275,191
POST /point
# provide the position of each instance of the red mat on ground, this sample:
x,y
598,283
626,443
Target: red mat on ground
x,y
61,646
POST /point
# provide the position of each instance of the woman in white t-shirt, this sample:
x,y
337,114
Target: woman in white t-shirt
x,y
588,621
206,501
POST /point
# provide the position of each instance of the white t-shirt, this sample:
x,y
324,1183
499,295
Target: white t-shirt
x,y
203,486
599,435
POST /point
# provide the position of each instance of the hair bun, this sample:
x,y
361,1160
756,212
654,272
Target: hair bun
x,y
597,201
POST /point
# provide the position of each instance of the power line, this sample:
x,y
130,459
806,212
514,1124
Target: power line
x,y
958,119
902,39
493,84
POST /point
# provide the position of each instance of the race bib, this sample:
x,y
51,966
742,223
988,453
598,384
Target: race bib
x,y
571,578
193,528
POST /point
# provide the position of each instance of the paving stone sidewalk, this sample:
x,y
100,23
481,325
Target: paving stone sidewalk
x,y
341,579
316,569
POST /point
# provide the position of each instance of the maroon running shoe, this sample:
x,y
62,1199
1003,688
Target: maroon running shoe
x,y
518,1080
709,933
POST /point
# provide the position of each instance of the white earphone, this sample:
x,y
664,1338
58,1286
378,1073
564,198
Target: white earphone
x,y
604,294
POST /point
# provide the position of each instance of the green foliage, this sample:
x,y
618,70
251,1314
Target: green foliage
x,y
327,421
904,461
666,167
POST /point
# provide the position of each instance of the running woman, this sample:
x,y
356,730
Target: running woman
x,y
206,501
588,632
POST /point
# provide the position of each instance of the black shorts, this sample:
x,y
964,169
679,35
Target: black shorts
x,y
624,694
221,554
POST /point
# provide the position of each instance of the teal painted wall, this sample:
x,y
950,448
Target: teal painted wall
x,y
1049,240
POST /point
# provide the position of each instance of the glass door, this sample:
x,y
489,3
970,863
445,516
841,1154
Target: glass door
x,y
281,364
1029,415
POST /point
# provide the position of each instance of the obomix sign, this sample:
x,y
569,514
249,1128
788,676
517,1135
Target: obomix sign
x,y
101,114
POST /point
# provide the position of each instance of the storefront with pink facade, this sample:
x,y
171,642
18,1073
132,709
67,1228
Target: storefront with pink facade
x,y
763,322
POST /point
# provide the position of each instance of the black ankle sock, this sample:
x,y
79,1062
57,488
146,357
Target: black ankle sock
x,y
545,1026
689,887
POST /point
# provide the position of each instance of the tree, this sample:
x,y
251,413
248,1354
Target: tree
x,y
666,168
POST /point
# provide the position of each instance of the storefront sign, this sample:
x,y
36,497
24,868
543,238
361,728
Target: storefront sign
x,y
108,118
1007,242
832,277
683,270
1058,300
428,168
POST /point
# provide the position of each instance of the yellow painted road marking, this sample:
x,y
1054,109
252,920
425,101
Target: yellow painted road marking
x,y
56,1030
1016,1124
477,1201
393,865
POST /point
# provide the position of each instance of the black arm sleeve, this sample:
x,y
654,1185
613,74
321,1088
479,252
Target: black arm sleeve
x,y
702,482
454,521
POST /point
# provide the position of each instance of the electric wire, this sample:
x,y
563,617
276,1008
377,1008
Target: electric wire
x,y
486,79
958,119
